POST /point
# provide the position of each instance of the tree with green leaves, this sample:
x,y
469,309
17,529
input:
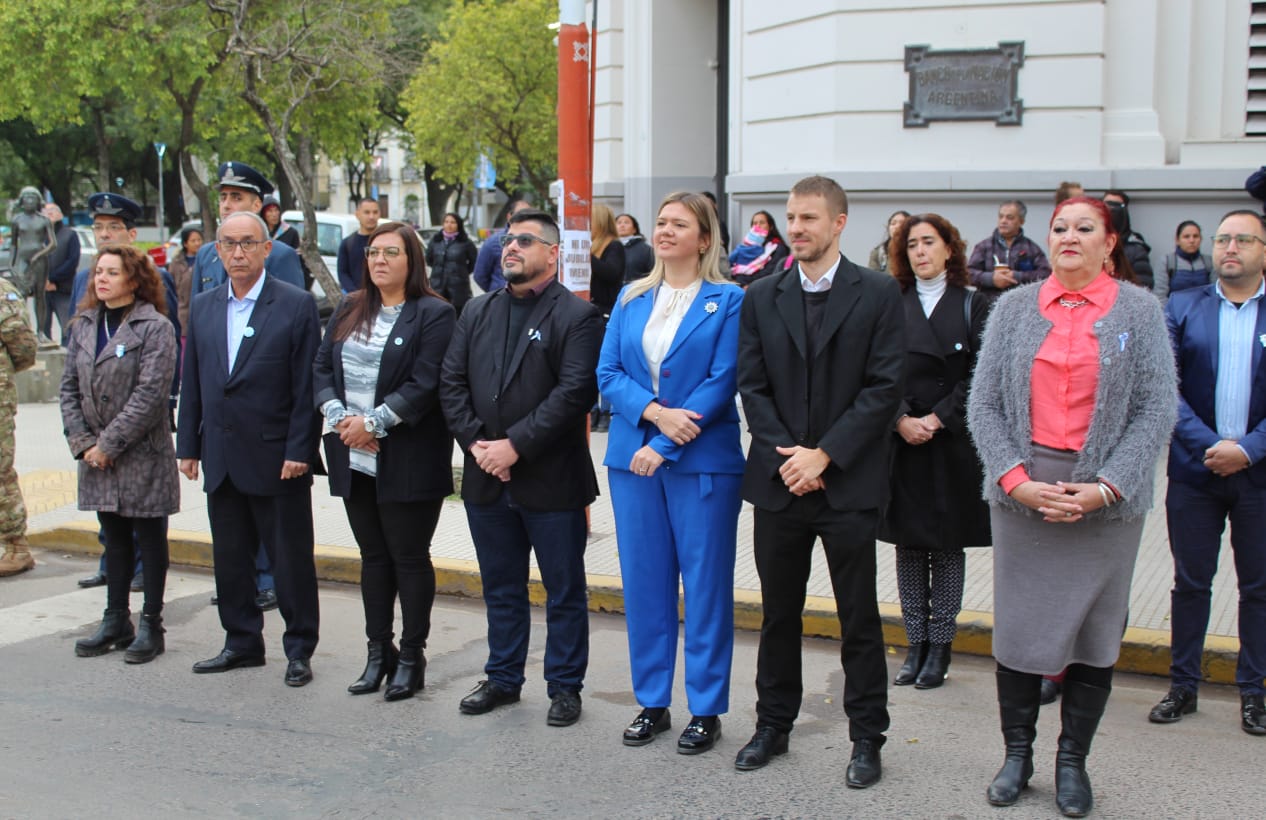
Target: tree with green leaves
x,y
489,84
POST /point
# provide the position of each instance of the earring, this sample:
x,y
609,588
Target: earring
x,y
702,251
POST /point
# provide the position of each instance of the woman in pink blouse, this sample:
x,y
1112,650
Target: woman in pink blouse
x,y
1073,399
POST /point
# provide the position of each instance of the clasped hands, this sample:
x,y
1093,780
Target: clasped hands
x,y
1060,503
919,430
351,431
1225,458
495,457
96,459
802,471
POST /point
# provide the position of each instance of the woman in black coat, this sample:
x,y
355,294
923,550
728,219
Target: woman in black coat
x,y
389,452
451,257
935,509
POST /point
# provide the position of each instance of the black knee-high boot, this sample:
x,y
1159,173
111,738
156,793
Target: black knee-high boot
x,y
1019,694
1080,711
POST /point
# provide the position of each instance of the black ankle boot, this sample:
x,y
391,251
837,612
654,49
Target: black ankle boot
x,y
1018,705
115,632
935,667
380,663
149,643
410,674
1080,710
914,662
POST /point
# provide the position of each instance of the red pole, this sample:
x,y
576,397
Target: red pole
x,y
575,142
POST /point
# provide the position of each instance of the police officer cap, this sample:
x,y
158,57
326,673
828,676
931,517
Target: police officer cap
x,y
241,175
116,205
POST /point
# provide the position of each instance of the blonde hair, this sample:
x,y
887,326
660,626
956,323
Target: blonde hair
x,y
601,229
709,261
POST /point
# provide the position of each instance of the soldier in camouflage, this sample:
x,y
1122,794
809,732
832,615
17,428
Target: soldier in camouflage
x,y
17,352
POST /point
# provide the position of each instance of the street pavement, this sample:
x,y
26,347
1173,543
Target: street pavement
x,y
94,737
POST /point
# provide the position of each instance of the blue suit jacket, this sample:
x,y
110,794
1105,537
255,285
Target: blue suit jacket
x,y
699,373
208,270
243,424
1192,316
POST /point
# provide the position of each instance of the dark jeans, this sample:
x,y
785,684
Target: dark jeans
x,y
59,306
124,536
395,558
1197,517
505,534
783,547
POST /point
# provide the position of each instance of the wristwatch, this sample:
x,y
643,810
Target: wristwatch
x,y
372,425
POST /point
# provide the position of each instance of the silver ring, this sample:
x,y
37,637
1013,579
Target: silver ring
x,y
1068,514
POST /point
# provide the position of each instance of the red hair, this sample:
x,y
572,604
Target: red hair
x,y
1118,266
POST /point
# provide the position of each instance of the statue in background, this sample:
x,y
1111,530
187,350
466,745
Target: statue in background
x,y
34,240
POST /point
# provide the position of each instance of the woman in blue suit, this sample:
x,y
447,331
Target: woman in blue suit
x,y
675,464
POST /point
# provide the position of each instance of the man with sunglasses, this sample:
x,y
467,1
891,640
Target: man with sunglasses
x,y
516,387
1217,465
246,417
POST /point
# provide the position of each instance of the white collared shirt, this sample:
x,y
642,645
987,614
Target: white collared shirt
x,y
824,283
239,317
669,309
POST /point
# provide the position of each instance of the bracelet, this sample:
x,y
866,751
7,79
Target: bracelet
x,y
1103,493
658,413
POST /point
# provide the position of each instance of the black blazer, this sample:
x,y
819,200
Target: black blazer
x,y
848,407
415,458
539,399
244,424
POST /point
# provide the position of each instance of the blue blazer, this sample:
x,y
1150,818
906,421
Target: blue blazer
x,y
699,373
243,424
1192,316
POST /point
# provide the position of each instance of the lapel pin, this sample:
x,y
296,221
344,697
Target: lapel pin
x,y
119,350
1262,339
1123,338
710,307
534,334
958,345
399,341
249,332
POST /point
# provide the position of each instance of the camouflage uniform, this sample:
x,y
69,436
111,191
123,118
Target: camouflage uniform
x,y
17,352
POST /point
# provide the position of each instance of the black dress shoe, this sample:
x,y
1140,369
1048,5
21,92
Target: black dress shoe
x,y
298,672
646,725
226,660
935,668
564,709
865,768
766,743
1253,714
266,599
914,662
702,733
94,580
1050,691
487,696
1176,703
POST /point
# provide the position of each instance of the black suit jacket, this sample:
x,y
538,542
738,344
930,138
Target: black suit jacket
x,y
848,407
415,458
539,398
244,424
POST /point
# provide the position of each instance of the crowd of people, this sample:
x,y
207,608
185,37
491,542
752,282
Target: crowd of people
x,y
1015,397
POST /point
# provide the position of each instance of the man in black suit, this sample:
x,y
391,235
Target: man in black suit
x,y
246,413
821,358
516,388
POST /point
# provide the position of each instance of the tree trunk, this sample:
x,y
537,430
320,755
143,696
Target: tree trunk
x,y
104,180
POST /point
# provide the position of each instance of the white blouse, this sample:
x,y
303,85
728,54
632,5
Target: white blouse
x,y
670,308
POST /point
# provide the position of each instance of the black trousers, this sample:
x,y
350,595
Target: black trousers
x,y
239,523
151,542
395,559
783,546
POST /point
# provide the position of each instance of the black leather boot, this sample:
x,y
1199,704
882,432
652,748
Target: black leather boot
x,y
914,662
410,674
115,632
149,643
1080,710
1018,705
380,663
935,668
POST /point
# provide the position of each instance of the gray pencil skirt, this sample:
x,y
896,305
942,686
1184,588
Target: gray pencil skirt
x,y
1061,591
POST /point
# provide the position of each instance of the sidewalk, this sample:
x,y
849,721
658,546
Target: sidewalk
x,y
47,474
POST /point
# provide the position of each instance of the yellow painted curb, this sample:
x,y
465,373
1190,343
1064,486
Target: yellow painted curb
x,y
1143,651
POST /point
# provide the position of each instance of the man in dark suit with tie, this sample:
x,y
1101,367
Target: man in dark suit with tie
x,y
246,414
516,388
821,358
1217,465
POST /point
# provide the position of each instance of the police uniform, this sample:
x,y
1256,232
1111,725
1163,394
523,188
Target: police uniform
x,y
282,263
17,352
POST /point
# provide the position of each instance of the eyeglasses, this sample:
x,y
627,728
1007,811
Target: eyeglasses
x,y
389,253
230,245
524,240
1222,240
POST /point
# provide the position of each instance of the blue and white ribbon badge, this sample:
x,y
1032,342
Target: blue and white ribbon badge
x,y
1262,339
399,341
1123,338
249,332
119,350
534,334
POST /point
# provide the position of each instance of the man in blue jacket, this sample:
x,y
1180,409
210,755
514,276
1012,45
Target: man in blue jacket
x,y
487,273
1217,465
61,273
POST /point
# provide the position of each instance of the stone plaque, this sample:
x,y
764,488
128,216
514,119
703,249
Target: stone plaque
x,y
964,84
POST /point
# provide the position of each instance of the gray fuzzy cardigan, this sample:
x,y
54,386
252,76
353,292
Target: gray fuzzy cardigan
x,y
1135,403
